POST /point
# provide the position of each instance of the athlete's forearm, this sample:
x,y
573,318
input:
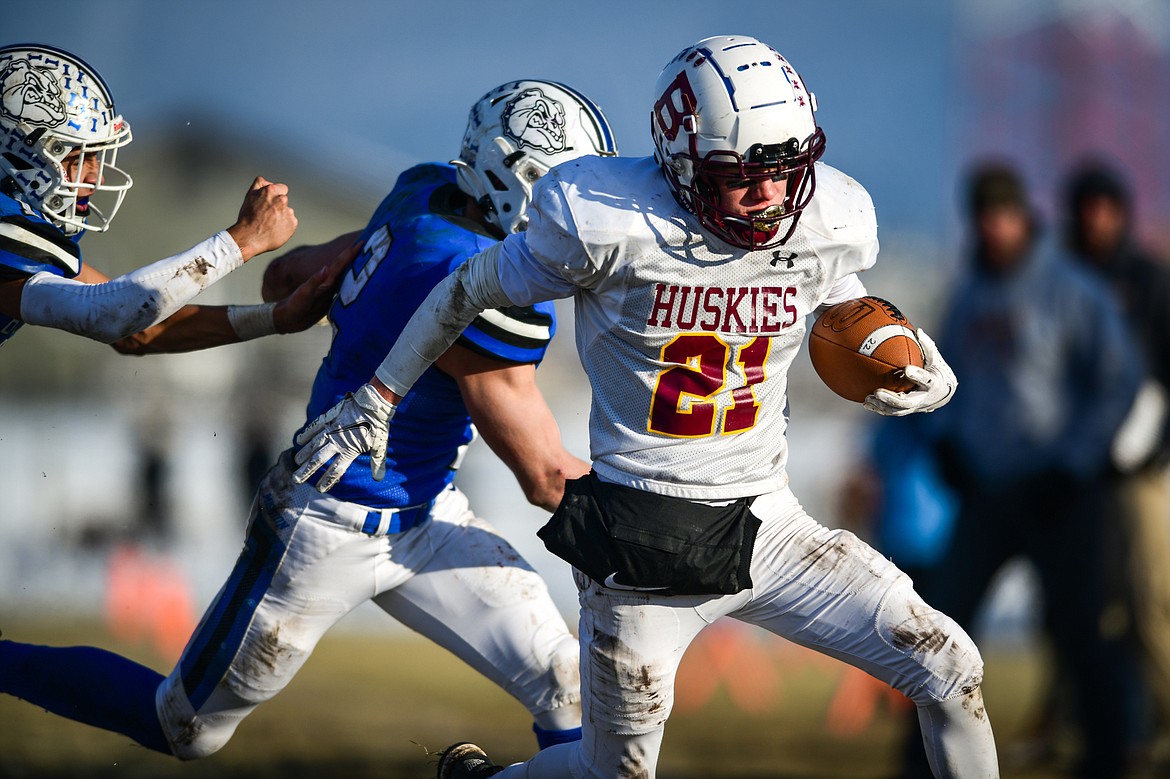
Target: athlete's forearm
x,y
133,302
288,271
189,329
192,328
846,288
444,314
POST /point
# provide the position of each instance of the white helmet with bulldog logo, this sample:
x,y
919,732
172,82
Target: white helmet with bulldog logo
x,y
515,134
52,104
732,106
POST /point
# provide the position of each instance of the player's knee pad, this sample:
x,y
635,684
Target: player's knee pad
x,y
620,756
193,735
194,743
936,659
555,695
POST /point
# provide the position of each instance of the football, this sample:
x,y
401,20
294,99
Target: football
x,y
861,345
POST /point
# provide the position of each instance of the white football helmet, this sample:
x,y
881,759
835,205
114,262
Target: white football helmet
x,y
51,105
515,134
732,105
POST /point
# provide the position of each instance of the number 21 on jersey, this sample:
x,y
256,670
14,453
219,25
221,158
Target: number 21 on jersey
x,y
684,404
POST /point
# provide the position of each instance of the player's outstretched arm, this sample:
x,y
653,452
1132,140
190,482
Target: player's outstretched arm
x,y
202,327
936,385
516,422
115,308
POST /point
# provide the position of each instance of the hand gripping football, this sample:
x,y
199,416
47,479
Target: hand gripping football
x,y
860,345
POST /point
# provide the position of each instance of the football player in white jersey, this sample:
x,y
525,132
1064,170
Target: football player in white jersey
x,y
59,139
693,273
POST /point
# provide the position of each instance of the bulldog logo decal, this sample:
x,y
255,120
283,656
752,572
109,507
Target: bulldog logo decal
x,y
535,120
31,95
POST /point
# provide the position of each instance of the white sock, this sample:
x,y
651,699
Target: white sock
x,y
958,739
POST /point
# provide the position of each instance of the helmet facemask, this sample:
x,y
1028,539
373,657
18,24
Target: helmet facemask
x,y
790,162
501,182
56,189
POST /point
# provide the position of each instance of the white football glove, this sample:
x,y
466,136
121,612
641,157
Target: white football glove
x,y
357,425
935,379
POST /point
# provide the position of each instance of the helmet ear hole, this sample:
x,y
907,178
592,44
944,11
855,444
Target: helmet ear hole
x,y
496,183
16,162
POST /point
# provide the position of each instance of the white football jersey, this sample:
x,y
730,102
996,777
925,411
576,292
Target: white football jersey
x,y
686,340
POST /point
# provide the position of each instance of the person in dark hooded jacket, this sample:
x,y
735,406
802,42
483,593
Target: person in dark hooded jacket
x,y
1099,233
1048,373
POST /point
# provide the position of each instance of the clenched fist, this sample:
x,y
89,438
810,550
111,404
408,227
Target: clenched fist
x,y
266,221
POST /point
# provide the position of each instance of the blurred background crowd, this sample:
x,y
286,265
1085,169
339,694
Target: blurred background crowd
x,y
1017,154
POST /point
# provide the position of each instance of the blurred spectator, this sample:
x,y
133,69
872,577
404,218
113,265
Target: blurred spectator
x,y
1099,233
1047,373
256,453
154,521
896,499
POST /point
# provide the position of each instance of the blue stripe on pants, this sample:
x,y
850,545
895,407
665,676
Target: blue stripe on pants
x,y
218,639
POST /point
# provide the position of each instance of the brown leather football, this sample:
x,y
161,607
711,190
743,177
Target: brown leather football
x,y
860,345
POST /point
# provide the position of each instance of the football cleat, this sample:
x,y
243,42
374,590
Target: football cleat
x,y
466,761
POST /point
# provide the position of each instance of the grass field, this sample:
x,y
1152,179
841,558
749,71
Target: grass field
x,y
371,705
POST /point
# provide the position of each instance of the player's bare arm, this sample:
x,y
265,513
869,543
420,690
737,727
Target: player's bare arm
x,y
266,221
288,271
10,292
515,421
202,327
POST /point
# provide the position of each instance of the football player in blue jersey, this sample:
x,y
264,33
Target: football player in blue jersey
x,y
59,139
405,537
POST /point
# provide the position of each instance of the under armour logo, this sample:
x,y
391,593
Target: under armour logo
x,y
778,257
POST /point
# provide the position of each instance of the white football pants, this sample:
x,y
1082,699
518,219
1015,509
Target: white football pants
x,y
306,564
819,588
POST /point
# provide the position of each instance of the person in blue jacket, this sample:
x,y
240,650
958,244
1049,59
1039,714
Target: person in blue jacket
x,y
1048,375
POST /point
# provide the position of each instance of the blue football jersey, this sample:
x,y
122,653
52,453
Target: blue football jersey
x,y
414,240
30,244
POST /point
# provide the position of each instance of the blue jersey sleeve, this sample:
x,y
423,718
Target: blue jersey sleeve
x,y
515,334
30,244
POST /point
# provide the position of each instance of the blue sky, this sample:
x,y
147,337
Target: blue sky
x,y
374,86
367,88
